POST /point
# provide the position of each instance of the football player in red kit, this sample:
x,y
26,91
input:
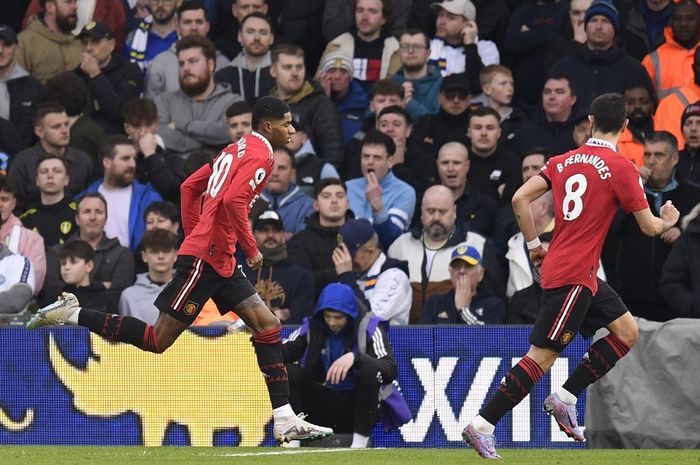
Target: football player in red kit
x,y
216,200
588,185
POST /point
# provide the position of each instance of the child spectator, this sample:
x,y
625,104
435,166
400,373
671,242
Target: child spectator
x,y
77,261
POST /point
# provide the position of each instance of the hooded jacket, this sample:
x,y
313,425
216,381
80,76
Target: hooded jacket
x,y
249,84
312,249
45,54
142,195
163,74
137,300
312,105
317,351
293,207
425,92
24,92
199,124
680,278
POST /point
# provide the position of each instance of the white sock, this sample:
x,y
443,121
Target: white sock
x,y
283,412
483,426
359,441
566,396
73,319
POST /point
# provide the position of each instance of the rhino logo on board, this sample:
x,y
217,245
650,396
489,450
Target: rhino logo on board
x,y
204,383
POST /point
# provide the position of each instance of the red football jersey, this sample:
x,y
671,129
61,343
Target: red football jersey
x,y
588,184
217,198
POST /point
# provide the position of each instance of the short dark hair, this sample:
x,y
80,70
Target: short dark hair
x,y
396,110
91,195
268,108
387,11
414,31
292,158
259,15
50,156
285,49
69,90
159,240
7,185
609,112
662,136
560,77
537,150
387,87
165,209
206,45
77,249
376,137
196,160
140,111
191,5
325,182
45,108
484,111
238,108
109,148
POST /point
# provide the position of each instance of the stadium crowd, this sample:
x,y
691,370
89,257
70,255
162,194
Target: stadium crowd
x,y
416,122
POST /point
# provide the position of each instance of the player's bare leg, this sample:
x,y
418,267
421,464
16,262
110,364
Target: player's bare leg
x,y
265,327
67,311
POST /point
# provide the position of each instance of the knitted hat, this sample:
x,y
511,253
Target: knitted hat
x,y
691,110
337,59
605,8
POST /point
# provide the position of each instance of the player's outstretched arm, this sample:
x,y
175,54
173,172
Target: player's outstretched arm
x,y
654,226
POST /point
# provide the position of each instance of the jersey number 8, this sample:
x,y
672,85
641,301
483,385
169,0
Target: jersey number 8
x,y
573,204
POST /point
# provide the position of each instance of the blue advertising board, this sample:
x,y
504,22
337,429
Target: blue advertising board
x,y
67,386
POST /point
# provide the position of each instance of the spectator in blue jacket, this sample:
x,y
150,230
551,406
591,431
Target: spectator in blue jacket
x,y
284,196
421,81
127,199
379,195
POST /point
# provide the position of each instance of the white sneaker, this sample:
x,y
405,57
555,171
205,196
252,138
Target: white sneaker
x,y
295,428
57,313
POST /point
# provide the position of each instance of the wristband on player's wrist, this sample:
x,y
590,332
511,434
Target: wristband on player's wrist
x,y
533,244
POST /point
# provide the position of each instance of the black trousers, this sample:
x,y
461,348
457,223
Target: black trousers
x,y
351,411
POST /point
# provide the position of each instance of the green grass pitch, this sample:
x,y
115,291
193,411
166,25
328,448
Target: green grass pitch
x,y
102,455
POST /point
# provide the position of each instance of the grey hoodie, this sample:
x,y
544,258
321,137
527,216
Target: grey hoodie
x,y
199,124
137,300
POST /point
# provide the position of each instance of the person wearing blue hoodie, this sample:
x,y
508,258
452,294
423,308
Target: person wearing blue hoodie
x,y
338,377
420,80
127,199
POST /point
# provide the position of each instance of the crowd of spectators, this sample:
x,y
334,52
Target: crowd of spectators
x,y
415,122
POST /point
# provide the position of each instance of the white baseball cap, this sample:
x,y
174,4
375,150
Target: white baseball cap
x,y
456,7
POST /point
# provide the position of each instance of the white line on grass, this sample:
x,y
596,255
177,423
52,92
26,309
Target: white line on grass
x,y
292,452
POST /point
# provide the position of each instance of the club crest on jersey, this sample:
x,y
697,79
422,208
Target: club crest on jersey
x,y
65,227
566,337
190,307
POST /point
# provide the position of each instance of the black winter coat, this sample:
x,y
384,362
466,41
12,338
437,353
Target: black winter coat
x,y
680,278
25,92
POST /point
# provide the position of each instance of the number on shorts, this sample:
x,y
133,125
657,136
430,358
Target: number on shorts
x,y
220,170
573,204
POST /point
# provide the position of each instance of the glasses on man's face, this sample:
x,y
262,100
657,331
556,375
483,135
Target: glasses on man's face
x,y
412,47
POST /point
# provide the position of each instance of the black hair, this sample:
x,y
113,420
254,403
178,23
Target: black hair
x,y
396,110
77,249
109,148
140,111
268,108
45,108
50,156
662,136
376,137
259,15
191,5
7,185
387,87
159,240
609,112
238,108
69,90
196,160
325,182
484,111
165,209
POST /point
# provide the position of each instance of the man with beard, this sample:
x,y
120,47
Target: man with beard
x,y
127,199
420,80
374,52
671,64
249,72
52,127
111,79
162,73
286,288
46,46
155,34
640,110
194,117
688,167
428,250
229,44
